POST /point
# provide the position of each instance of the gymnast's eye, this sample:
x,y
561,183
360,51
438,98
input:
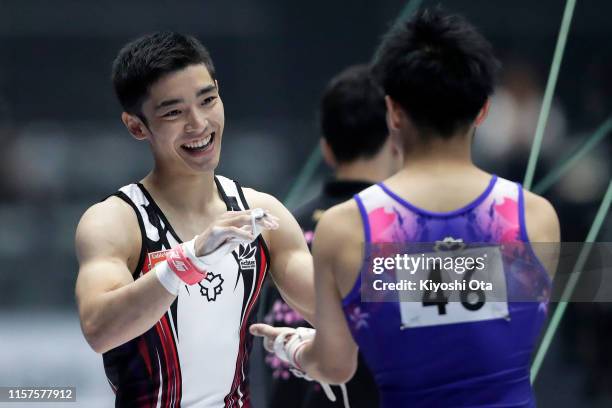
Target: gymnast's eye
x,y
209,100
172,113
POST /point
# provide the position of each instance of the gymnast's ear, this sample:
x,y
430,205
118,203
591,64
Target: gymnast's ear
x,y
484,111
135,126
328,153
394,114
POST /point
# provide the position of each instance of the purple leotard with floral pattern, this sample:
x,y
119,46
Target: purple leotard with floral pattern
x,y
467,364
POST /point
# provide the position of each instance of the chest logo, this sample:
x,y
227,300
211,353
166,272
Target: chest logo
x,y
246,257
211,286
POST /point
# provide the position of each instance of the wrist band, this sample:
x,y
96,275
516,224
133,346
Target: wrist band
x,y
176,266
184,266
167,278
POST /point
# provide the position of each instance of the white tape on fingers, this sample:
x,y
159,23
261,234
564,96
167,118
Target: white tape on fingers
x,y
218,254
215,256
344,395
256,215
280,343
328,391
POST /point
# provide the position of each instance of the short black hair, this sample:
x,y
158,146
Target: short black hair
x,y
352,114
141,62
438,68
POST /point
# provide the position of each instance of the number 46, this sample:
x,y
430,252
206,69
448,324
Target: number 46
x,y
437,297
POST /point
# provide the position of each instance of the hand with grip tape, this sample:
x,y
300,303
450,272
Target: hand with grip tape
x,y
229,231
189,262
287,344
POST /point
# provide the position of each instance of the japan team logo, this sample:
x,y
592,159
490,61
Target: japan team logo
x,y
211,286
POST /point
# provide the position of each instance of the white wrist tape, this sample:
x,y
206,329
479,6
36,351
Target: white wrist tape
x,y
168,278
187,269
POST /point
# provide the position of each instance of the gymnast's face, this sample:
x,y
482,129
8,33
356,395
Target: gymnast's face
x,y
185,120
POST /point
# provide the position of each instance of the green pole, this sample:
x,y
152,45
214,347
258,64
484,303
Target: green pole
x,y
565,164
571,284
549,92
303,178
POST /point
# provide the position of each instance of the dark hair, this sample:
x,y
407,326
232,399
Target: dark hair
x,y
352,114
145,60
438,68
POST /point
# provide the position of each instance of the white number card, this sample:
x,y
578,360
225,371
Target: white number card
x,y
454,287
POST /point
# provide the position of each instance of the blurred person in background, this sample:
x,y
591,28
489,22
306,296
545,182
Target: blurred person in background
x,y
512,119
171,267
437,72
585,339
356,144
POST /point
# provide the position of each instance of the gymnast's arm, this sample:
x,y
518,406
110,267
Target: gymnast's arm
x,y
291,262
543,230
331,357
114,308
337,251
